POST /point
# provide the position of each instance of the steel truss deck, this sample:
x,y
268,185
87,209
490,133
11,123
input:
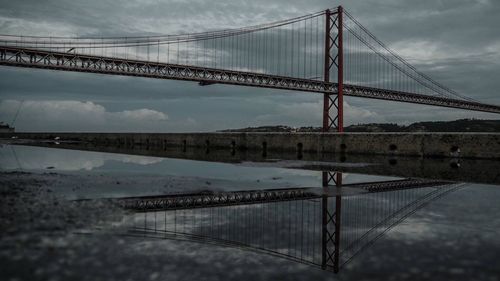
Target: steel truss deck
x,y
31,58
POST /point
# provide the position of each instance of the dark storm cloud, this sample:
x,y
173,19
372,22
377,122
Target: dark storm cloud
x,y
456,42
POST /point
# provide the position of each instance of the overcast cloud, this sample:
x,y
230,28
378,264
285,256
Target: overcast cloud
x,y
457,42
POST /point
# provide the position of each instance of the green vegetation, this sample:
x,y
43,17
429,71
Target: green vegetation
x,y
462,125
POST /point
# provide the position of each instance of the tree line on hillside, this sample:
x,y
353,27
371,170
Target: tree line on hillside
x,y
462,125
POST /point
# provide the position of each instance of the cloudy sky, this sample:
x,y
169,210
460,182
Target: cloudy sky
x,y
457,42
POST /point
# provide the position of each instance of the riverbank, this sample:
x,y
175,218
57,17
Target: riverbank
x,y
438,145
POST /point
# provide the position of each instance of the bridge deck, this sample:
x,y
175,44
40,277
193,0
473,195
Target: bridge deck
x,y
31,58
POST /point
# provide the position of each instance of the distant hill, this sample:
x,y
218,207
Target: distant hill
x,y
462,125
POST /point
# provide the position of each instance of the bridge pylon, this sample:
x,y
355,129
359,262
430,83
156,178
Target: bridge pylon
x,y
334,59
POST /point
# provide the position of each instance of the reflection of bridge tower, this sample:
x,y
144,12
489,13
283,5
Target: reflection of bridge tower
x,y
303,225
330,235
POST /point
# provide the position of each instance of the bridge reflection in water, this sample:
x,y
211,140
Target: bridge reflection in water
x,y
325,228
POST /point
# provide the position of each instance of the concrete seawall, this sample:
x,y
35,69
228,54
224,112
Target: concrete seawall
x,y
464,145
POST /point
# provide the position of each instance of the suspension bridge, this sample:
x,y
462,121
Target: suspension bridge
x,y
328,52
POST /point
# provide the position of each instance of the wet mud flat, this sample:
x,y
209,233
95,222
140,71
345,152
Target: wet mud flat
x,y
60,218
43,235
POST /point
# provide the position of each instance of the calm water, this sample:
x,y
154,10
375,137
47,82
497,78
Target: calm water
x,y
244,217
